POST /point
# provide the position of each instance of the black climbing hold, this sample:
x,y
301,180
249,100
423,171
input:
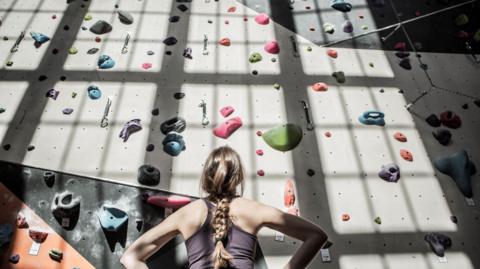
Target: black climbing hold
x,y
400,91
101,27
42,78
443,136
7,147
402,54
66,27
170,41
116,6
2,110
339,76
92,51
31,147
15,258
310,172
49,178
176,124
155,112
210,21
477,102
424,66
382,90
174,18
150,52
84,28
150,147
465,106
66,209
125,17
182,8
438,243
5,38
55,51
254,72
405,64
433,120
148,175
139,223
63,78
168,52
178,95
454,219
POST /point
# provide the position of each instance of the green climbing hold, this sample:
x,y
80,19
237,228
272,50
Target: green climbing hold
x,y
72,50
9,63
87,17
276,86
364,27
74,94
461,19
255,57
309,48
283,138
329,28
378,220
371,65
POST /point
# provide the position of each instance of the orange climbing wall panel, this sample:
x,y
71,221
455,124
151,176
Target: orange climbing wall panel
x,y
21,242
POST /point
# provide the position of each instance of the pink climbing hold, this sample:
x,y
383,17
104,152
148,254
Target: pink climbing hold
x,y
328,134
320,87
332,53
224,42
147,65
262,19
173,201
272,47
227,128
402,46
259,133
226,111
261,172
259,152
232,9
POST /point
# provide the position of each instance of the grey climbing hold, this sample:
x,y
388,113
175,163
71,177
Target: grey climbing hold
x,y
405,64
125,17
443,136
438,243
390,172
460,168
67,111
111,218
150,52
178,95
66,209
148,175
92,51
49,178
176,124
101,27
170,41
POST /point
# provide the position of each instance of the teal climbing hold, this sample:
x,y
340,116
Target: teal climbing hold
x,y
111,218
283,138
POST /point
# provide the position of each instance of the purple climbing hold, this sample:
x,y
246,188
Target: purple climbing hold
x,y
390,172
130,127
52,93
67,111
347,27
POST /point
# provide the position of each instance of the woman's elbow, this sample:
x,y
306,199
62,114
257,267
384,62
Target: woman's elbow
x,y
127,259
320,238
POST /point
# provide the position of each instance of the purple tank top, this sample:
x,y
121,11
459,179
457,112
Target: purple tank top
x,y
240,244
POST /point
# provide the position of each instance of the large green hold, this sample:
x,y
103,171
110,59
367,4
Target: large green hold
x,y
283,138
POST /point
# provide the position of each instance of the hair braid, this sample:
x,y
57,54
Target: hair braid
x,y
220,223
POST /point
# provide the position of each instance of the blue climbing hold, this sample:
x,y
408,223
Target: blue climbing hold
x,y
341,5
105,62
111,218
6,230
372,117
460,168
39,37
94,92
173,144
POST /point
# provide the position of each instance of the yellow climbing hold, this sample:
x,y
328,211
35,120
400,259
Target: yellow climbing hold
x,y
87,17
72,50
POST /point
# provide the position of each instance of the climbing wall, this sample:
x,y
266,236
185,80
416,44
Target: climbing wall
x,y
345,162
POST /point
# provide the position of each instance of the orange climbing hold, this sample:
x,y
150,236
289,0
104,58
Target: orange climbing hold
x,y
400,137
332,53
224,42
345,217
406,155
320,87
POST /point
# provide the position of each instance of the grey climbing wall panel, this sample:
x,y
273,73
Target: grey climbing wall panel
x,y
346,164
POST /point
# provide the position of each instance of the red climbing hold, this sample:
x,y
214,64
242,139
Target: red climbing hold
x,y
259,133
332,53
261,172
224,42
402,46
328,134
345,217
400,137
37,235
232,9
98,39
319,87
259,152
173,201
406,155
21,221
450,119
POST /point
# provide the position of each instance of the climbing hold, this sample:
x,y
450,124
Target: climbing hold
x,y
259,133
262,19
15,258
6,147
94,92
2,110
170,41
111,218
390,172
405,64
37,235
372,117
289,194
174,19
6,231
319,87
139,222
341,5
460,168
146,65
150,147
450,119
454,219
406,155
401,46
379,3
21,221
378,220
87,17
84,28
125,17
260,173
276,86
187,53
254,72
92,51
173,144
328,28
9,63
42,78
39,38
476,36
228,127
433,120
400,137
332,53
310,172
148,175
328,134
182,8
461,19
345,217
65,209
438,243
98,39
72,50
364,27
30,147
101,27
224,42
272,47
371,65
339,76
49,178
443,136
52,93
67,111
465,106
178,95
226,111
283,138
56,254
255,57
105,62
150,52
175,124
129,128
347,27
170,201
231,9
309,48
259,152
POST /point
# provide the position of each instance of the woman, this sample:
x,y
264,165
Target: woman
x,y
220,230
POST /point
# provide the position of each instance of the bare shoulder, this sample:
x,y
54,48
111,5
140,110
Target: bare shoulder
x,y
250,211
191,216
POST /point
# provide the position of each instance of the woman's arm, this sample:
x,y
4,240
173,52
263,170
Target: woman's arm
x,y
151,241
313,236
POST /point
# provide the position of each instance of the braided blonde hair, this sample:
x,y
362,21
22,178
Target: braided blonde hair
x,y
222,174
